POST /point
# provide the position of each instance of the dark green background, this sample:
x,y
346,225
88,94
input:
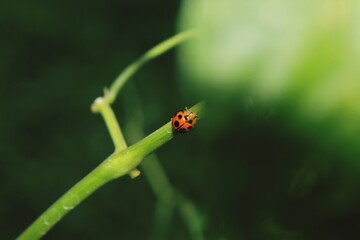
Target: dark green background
x,y
251,174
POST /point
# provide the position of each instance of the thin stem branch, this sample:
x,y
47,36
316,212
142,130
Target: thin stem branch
x,y
114,129
149,55
112,125
192,219
157,178
111,94
161,220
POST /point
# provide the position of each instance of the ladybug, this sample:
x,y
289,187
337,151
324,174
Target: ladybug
x,y
183,121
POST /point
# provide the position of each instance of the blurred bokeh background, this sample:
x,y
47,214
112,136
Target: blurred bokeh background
x,y
276,156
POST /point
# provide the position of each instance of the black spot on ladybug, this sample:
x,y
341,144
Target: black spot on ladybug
x,y
190,121
189,128
179,116
176,124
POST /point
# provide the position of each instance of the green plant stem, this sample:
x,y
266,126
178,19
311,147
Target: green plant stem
x,y
112,125
115,166
114,129
192,219
102,104
149,55
168,199
123,161
65,204
157,178
161,221
111,94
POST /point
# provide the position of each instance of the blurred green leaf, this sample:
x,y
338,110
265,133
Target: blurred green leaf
x,y
300,57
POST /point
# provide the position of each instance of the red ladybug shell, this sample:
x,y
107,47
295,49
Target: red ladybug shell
x,y
184,121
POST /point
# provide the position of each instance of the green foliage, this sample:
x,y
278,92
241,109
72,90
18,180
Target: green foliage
x,y
276,157
302,55
297,64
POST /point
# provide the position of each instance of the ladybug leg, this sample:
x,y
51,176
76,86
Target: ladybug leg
x,y
181,130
